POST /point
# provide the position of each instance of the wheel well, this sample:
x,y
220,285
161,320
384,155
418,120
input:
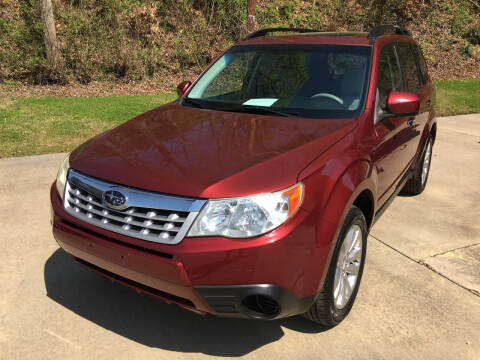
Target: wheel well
x,y
364,202
433,131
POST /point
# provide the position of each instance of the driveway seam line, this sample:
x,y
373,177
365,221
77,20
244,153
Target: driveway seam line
x,y
391,247
448,251
420,262
474,292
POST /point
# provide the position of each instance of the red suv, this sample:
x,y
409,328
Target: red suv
x,y
253,193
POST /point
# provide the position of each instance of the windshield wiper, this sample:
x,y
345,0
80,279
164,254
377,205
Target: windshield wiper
x,y
261,109
192,102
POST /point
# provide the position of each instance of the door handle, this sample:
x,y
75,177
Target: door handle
x,y
410,121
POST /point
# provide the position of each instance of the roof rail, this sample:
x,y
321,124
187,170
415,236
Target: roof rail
x,y
264,32
380,30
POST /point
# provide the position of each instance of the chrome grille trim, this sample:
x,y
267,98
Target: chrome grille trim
x,y
149,216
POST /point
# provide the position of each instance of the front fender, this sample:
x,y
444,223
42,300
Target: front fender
x,y
330,193
331,190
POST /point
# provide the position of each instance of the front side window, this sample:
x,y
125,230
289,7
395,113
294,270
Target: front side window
x,y
389,75
409,67
319,81
421,64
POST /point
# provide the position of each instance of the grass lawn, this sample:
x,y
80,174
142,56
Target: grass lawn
x,y
456,97
30,125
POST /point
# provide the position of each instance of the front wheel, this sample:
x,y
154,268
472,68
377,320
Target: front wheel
x,y
340,288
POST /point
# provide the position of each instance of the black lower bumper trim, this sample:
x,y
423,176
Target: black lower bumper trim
x,y
258,301
138,286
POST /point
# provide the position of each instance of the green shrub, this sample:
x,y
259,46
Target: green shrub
x,y
460,19
473,35
229,15
267,15
287,10
468,49
3,28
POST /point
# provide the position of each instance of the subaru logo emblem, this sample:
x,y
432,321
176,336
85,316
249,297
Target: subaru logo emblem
x,y
114,199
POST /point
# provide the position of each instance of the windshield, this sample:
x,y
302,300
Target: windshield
x,y
318,81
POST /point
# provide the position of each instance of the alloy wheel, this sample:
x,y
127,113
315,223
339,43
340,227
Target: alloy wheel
x,y
426,162
347,267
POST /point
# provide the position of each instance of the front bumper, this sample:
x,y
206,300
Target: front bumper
x,y
272,276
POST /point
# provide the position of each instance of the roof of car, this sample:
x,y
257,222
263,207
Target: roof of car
x,y
311,38
307,36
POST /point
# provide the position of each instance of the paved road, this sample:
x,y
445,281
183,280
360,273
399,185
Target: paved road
x,y
418,299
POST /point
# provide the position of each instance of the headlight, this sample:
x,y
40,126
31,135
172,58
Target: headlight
x,y
62,176
249,216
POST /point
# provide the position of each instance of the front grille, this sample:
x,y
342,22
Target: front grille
x,y
147,216
118,242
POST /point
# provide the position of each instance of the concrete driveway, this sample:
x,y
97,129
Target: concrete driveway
x,y
419,297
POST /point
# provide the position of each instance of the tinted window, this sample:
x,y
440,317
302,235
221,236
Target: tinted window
x,y
389,77
422,65
409,67
319,81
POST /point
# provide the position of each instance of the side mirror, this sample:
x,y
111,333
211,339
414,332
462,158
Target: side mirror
x,y
183,87
403,104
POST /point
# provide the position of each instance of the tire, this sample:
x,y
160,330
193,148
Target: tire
x,y
327,309
417,183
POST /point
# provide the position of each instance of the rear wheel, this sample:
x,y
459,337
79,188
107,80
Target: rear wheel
x,y
417,183
340,288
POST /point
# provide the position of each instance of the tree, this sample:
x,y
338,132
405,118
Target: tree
x,y
50,34
251,21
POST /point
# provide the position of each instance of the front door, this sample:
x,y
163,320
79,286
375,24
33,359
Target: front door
x,y
409,137
388,155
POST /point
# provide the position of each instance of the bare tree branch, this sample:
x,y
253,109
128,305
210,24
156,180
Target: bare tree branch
x,y
474,3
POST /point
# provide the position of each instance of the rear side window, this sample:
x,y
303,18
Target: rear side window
x,y
389,76
410,71
421,64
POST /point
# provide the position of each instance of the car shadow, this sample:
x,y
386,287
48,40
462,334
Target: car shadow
x,y
153,323
402,194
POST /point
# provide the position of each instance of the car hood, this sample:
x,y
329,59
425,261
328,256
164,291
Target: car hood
x,y
207,154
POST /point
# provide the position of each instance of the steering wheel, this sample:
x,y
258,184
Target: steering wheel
x,y
328,96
